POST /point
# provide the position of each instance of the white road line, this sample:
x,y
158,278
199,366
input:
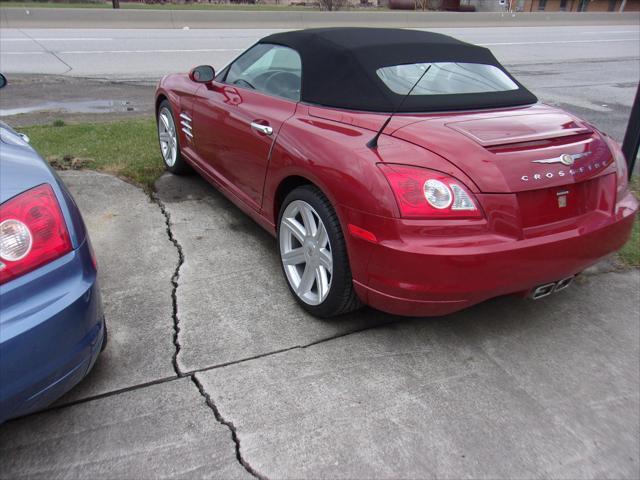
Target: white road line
x,y
561,42
154,51
79,52
23,53
75,39
612,32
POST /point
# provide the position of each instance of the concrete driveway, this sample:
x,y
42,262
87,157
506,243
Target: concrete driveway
x,y
213,371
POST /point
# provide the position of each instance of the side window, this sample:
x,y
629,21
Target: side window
x,y
271,69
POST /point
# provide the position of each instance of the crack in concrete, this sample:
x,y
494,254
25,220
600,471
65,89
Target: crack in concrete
x,y
100,396
296,347
192,373
174,283
176,342
229,425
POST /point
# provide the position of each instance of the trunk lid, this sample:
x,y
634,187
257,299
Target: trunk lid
x,y
555,168
513,151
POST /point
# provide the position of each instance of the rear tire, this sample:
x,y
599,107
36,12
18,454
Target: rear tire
x,y
313,254
169,140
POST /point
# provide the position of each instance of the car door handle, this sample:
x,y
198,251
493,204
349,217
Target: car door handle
x,y
258,127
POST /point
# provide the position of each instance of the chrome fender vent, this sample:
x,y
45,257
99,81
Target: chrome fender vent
x,y
185,122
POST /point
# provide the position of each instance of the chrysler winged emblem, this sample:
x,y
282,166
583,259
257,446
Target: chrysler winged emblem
x,y
565,158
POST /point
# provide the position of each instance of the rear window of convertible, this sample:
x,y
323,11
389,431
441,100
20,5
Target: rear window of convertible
x,y
445,78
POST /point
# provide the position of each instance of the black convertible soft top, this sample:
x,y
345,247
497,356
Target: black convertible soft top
x,y
339,68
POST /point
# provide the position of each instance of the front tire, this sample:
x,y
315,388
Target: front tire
x,y
314,255
169,141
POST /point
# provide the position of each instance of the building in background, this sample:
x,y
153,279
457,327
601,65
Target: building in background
x,y
581,5
520,5
442,5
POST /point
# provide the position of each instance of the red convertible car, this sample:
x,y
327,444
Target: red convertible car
x,y
401,169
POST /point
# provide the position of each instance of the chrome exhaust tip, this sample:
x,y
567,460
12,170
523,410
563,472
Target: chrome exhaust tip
x,y
549,288
543,291
564,283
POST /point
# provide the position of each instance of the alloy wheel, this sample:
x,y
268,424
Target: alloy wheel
x,y
305,251
168,137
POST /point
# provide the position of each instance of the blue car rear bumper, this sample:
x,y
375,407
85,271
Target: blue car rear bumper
x,y
51,332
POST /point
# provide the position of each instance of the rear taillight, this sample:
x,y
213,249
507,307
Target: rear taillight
x,y
423,193
32,232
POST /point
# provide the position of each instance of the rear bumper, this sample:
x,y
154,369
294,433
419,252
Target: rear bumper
x,y
51,331
424,272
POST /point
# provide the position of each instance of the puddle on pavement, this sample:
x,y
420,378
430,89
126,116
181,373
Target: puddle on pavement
x,y
84,106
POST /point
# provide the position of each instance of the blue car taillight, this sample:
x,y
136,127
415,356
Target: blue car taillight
x,y
32,232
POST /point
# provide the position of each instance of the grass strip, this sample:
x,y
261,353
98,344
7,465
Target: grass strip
x,y
630,253
127,148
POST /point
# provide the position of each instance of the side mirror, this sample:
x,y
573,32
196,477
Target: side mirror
x,y
3,80
202,74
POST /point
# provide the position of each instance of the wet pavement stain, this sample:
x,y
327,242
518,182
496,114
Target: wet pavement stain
x,y
80,106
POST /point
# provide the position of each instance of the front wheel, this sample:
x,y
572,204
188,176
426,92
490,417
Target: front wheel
x,y
169,142
314,255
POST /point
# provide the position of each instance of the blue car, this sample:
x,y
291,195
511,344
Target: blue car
x,y
51,321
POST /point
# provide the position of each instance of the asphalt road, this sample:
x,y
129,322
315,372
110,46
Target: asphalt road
x,y
149,54
590,70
